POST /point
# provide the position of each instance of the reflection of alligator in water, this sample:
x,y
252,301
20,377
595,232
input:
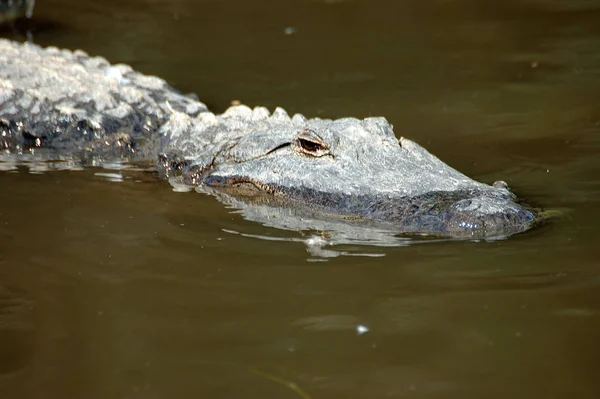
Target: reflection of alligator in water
x,y
57,105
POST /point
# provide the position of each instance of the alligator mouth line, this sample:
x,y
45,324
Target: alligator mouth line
x,y
254,192
242,186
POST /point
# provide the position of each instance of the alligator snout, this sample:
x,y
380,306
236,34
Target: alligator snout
x,y
464,213
486,216
478,221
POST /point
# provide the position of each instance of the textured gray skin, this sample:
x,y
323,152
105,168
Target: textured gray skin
x,y
65,105
70,104
365,173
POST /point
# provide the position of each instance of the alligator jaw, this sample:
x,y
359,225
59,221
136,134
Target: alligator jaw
x,y
238,186
469,214
463,214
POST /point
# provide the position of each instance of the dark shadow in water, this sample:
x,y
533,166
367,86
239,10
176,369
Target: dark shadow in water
x,y
15,331
26,29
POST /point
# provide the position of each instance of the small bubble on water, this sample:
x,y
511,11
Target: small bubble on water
x,y
362,329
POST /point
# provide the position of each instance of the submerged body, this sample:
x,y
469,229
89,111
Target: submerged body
x,y
59,104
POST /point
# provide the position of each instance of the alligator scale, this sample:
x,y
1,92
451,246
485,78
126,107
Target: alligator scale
x,y
62,105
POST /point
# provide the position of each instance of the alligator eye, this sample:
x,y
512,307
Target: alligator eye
x,y
310,146
309,143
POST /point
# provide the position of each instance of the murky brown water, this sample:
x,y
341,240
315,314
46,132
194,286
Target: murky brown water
x,y
130,290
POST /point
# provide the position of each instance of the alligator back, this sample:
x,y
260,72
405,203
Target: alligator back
x,y
60,102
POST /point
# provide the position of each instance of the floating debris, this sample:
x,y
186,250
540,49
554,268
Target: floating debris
x,y
362,329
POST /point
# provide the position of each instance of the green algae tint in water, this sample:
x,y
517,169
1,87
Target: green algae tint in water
x,y
128,289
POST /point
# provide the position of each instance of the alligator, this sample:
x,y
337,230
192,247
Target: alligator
x,y
58,105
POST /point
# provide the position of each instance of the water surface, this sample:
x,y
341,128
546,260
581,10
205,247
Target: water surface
x,y
114,285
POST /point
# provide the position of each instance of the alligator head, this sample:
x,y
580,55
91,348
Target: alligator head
x,y
347,168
